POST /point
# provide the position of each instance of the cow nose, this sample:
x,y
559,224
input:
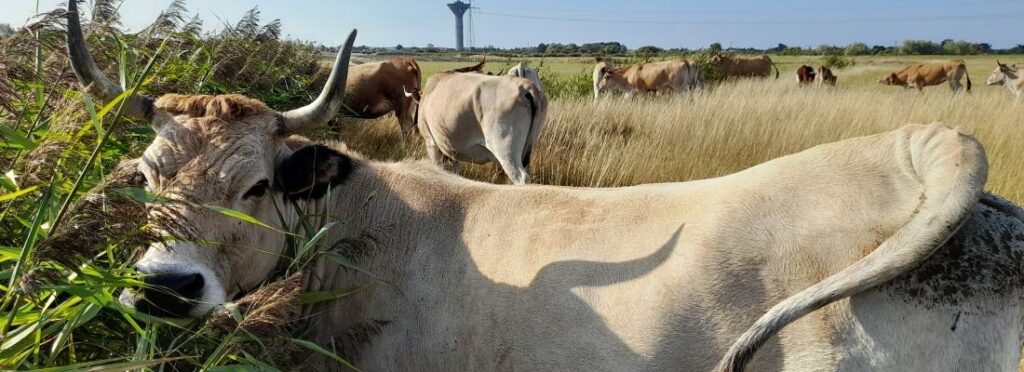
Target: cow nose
x,y
170,294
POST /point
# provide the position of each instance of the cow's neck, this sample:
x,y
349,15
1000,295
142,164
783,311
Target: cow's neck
x,y
384,209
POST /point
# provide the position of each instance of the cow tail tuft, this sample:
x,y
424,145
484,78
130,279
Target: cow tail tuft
x,y
968,77
533,118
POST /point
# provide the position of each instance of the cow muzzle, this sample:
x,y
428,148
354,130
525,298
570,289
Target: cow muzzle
x,y
172,291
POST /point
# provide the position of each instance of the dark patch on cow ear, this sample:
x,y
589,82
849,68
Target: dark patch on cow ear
x,y
311,171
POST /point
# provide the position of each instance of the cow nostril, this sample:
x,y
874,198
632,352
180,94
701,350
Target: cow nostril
x,y
189,286
170,294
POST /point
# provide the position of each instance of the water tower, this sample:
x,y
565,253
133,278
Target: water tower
x,y
459,8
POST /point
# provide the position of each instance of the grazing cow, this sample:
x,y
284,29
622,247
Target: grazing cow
x,y
463,275
480,118
648,77
920,75
377,88
1008,76
805,75
736,67
827,77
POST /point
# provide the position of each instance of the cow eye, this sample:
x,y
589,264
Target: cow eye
x,y
257,190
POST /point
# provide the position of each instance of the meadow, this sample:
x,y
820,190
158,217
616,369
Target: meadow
x,y
66,251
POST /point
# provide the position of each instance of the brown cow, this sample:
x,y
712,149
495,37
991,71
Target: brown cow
x,y
920,75
805,74
648,77
827,77
734,67
377,88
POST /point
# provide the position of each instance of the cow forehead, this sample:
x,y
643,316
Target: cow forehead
x,y
216,154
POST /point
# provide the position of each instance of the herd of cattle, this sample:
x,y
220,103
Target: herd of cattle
x,y
873,253
466,115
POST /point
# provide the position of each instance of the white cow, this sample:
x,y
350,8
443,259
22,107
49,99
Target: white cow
x,y
523,71
868,254
480,118
1008,76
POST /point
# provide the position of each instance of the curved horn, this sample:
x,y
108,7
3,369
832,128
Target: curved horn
x,y
92,77
327,104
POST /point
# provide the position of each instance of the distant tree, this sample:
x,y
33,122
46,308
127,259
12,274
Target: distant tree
x,y
984,48
541,48
649,51
715,48
879,49
919,47
6,30
857,49
399,47
825,49
958,47
778,49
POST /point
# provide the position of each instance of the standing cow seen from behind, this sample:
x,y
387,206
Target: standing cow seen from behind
x,y
805,75
478,118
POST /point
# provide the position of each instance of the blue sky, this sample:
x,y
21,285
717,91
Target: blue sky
x,y
664,23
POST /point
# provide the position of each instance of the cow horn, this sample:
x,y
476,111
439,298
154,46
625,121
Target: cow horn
x,y
407,94
322,109
92,77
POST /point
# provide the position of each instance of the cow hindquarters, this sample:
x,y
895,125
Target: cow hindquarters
x,y
883,332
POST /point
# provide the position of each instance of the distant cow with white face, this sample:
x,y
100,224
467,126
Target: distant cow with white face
x,y
481,118
1008,76
648,77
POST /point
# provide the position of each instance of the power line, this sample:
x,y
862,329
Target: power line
x,y
901,19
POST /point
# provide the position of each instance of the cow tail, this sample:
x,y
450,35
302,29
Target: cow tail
x,y
534,125
952,169
417,94
968,76
776,70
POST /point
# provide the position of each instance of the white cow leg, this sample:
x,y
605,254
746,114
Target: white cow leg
x,y
434,153
511,162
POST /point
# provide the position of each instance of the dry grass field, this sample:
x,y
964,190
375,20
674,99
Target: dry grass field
x,y
733,126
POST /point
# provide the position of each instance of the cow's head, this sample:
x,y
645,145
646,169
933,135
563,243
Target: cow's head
x,y
219,151
891,79
1001,74
608,78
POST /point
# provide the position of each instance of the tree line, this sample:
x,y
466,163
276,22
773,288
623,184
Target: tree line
x,y
614,48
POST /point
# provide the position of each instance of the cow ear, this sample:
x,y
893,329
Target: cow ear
x,y
311,171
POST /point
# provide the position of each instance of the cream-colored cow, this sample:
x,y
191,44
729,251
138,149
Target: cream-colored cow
x,y
868,254
1008,76
481,118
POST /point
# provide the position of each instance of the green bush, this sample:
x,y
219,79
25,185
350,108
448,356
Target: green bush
x,y
837,61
